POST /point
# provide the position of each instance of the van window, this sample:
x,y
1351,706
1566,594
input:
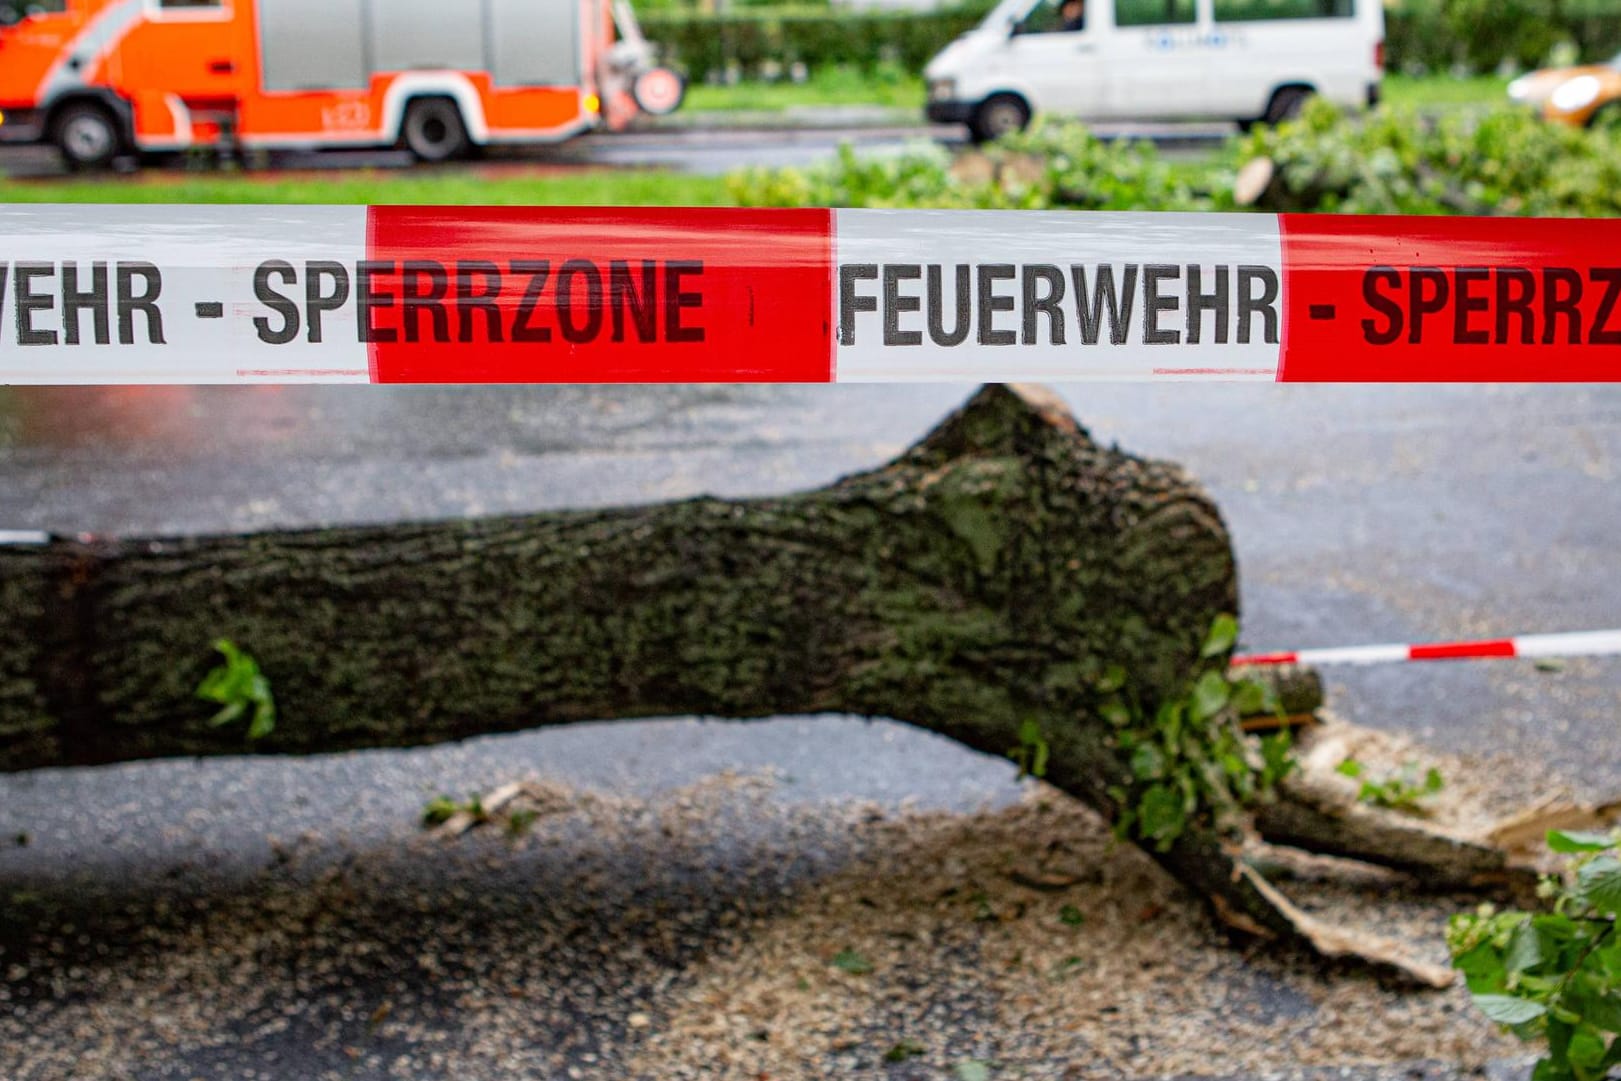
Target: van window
x,y
1152,12
1243,11
13,10
1054,17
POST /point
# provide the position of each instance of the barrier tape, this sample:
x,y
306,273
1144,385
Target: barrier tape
x,y
1573,644
316,294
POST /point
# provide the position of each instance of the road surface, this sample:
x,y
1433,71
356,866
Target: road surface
x,y
1359,515
709,151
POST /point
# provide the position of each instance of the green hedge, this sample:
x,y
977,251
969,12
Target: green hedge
x,y
1478,35
1436,36
753,41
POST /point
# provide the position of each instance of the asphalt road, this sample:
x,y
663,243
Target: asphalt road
x,y
706,150
1359,515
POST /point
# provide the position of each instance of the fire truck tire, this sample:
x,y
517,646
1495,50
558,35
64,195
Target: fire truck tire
x,y
87,135
434,130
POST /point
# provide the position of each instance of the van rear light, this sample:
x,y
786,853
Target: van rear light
x,y
1379,54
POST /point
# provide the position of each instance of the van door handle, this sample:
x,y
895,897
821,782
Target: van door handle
x,y
221,67
1086,48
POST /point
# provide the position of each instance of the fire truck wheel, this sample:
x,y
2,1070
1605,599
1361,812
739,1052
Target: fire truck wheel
x,y
658,91
86,134
434,130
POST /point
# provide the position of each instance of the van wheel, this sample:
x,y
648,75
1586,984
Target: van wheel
x,y
434,130
86,134
998,115
1286,104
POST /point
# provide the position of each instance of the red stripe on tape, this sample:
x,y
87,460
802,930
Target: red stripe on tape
x,y
589,295
1374,299
1265,658
1452,651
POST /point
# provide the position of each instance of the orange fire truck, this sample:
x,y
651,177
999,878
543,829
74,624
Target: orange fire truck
x,y
102,77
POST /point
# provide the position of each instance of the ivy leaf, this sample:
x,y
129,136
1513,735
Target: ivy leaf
x,y
1251,697
1569,841
1508,1010
1223,633
1210,694
1160,815
1599,884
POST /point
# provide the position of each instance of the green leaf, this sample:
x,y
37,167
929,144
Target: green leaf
x,y
264,721
1508,1010
1251,698
236,685
1070,916
1349,768
1160,815
903,1050
1482,968
1569,841
852,962
1599,884
1147,763
1595,1001
1116,713
973,1070
1586,1050
1223,633
1524,949
1210,694
1114,677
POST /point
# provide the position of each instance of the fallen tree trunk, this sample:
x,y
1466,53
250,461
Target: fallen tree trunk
x,y
990,577
996,568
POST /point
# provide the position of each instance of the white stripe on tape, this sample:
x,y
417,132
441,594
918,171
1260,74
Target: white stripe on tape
x,y
1019,295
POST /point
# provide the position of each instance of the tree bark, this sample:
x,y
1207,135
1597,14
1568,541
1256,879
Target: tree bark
x,y
987,577
993,571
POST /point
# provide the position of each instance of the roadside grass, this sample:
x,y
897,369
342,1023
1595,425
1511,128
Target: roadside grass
x,y
890,87
897,89
1430,91
607,187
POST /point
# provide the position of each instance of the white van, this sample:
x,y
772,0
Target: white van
x,y
1243,60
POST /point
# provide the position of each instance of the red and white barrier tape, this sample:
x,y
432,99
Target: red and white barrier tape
x,y
1573,644
325,294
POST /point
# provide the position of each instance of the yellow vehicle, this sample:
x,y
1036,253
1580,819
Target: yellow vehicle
x,y
1579,96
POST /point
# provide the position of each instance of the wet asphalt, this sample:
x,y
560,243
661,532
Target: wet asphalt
x,y
1358,514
